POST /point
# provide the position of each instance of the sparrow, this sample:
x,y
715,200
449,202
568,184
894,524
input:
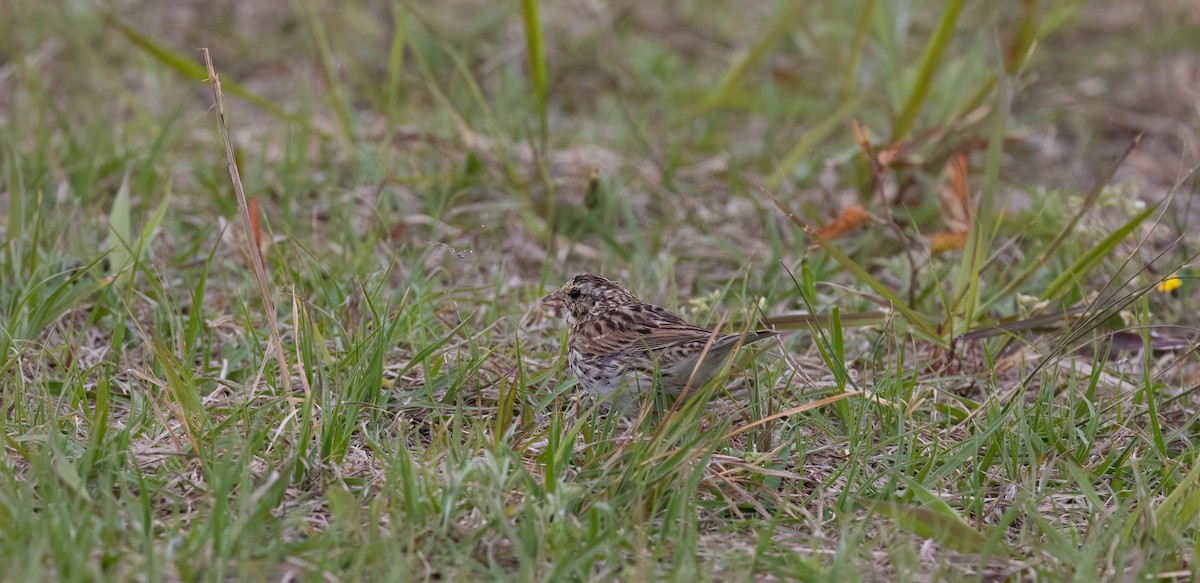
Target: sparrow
x,y
620,348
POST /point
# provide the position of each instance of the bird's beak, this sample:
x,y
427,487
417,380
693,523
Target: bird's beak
x,y
554,300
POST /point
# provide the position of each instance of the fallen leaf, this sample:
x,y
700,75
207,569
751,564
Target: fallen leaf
x,y
954,198
947,241
853,216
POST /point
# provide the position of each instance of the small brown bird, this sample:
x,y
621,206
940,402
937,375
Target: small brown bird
x,y
616,342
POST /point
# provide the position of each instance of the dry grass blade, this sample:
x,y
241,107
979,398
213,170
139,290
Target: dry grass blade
x,y
785,413
1053,321
687,387
260,271
805,321
789,412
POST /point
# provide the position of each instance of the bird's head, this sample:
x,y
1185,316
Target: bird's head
x,y
587,294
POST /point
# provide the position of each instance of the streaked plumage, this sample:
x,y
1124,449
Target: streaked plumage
x,y
616,343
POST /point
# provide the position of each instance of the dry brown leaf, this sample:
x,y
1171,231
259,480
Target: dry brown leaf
x,y
947,241
954,198
853,216
260,243
862,137
882,157
892,154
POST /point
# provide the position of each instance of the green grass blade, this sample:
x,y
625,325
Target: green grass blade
x,y
182,387
1183,496
850,83
1044,255
193,70
1018,50
151,227
914,319
951,531
984,220
15,219
329,76
748,60
930,60
537,62
1080,267
932,501
813,138
120,235
396,60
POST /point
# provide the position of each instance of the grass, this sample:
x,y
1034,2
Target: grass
x,y
383,398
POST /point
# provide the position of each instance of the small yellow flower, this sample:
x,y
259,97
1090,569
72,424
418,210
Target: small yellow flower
x,y
1169,284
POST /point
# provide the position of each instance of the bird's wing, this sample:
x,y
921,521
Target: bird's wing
x,y
635,326
650,329
667,330
670,330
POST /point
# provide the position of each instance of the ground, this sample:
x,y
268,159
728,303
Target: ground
x,y
973,222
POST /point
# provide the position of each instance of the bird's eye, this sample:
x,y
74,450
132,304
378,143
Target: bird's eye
x,y
574,294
